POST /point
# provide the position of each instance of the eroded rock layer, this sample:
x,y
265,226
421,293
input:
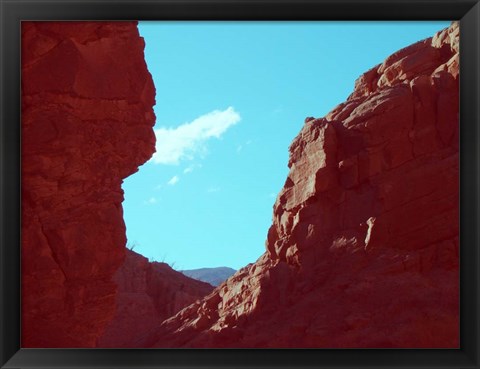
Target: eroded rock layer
x,y
148,293
363,250
87,119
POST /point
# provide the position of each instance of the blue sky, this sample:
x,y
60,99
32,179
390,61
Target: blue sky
x,y
231,96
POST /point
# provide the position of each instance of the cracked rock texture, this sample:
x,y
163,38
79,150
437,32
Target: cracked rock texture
x,y
87,119
148,293
363,250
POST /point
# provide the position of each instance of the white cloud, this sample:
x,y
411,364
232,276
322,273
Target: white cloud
x,y
213,189
173,181
188,170
151,200
185,141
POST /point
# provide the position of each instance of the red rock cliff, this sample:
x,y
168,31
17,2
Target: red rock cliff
x,y
148,293
363,250
87,119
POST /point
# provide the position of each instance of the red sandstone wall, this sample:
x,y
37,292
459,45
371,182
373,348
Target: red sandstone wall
x,y
363,250
87,120
148,293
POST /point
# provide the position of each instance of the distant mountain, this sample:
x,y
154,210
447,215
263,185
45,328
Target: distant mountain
x,y
214,276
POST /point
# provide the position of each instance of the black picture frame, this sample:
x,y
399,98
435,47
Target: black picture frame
x,y
14,11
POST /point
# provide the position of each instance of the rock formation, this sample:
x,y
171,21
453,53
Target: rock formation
x,y
363,250
87,119
148,293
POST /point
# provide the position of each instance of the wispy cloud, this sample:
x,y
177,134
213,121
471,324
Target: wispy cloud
x,y
173,181
151,201
189,139
213,189
188,170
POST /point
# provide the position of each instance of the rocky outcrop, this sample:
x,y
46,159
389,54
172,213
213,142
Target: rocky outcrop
x,y
87,119
148,293
363,250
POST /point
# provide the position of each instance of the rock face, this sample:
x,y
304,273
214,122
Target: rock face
x,y
148,293
363,250
87,119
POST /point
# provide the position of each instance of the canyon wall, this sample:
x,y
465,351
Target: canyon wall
x,y
363,250
87,119
148,293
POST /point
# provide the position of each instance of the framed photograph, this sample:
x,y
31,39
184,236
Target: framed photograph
x,y
239,184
